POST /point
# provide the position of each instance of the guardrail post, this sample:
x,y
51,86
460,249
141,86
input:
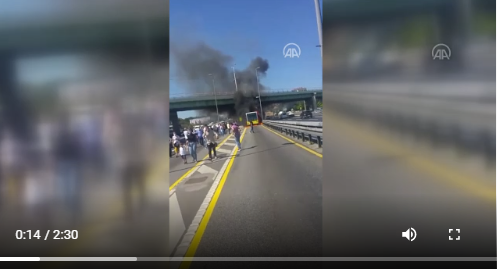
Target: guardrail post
x,y
310,139
320,143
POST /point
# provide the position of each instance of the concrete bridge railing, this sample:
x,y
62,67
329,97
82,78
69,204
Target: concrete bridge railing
x,y
225,94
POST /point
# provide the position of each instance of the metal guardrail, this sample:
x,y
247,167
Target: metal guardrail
x,y
459,112
303,136
435,127
316,125
470,106
308,129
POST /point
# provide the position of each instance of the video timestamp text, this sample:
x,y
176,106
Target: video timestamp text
x,y
47,235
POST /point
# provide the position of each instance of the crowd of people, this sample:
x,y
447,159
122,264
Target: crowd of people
x,y
204,136
71,153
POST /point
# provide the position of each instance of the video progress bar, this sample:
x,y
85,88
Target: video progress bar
x,y
68,259
245,259
321,259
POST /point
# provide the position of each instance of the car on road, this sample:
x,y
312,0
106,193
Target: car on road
x,y
282,115
290,114
306,114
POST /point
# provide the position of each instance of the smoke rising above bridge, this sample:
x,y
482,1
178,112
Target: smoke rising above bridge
x,y
199,64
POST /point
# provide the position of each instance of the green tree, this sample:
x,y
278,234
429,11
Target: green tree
x,y
185,123
299,106
319,103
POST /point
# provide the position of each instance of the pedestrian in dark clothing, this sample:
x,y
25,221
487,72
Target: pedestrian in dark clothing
x,y
192,144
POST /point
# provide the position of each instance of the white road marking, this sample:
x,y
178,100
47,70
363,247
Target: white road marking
x,y
192,229
177,226
227,151
229,144
176,222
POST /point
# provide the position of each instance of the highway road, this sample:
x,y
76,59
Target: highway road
x,y
267,204
315,117
379,184
271,200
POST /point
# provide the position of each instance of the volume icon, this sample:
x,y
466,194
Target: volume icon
x,y
410,234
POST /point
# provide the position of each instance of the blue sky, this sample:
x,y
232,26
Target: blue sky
x,y
247,29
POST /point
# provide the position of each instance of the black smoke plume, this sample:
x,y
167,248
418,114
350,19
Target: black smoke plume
x,y
200,66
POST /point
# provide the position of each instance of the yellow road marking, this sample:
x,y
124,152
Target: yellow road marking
x,y
296,143
195,166
430,167
208,213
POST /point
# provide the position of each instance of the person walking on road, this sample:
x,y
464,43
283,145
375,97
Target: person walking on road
x,y
251,127
236,132
136,155
182,152
69,156
192,145
176,144
221,129
201,137
210,138
185,133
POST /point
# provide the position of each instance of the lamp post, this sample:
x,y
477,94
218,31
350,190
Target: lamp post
x,y
319,22
215,96
234,76
258,90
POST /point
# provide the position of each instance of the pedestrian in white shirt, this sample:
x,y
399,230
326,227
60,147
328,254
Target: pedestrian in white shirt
x,y
183,154
176,145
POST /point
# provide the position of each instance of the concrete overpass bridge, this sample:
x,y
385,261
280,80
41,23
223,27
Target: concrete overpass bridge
x,y
125,31
225,99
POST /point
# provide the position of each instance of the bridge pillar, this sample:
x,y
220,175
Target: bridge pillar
x,y
173,117
314,102
309,103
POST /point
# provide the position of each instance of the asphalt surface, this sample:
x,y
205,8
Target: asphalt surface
x,y
378,185
270,205
189,185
